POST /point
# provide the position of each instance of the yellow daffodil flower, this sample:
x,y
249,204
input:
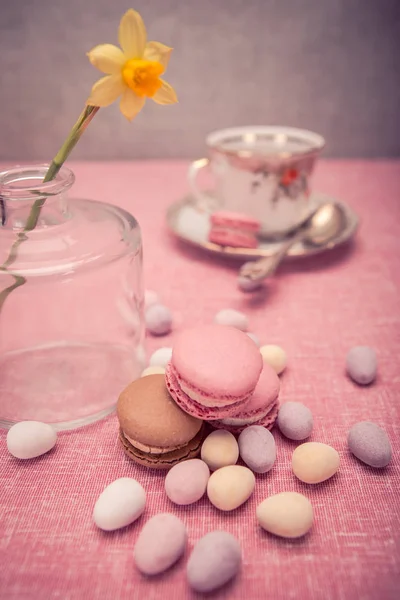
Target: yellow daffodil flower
x,y
133,71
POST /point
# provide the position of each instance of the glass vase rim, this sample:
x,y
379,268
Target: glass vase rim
x,y
10,177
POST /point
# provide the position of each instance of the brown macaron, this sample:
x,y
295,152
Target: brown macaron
x,y
154,431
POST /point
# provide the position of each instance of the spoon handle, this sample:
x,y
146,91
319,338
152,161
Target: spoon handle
x,y
264,267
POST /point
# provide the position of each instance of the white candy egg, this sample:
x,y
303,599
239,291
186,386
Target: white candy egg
x,y
161,357
29,439
120,504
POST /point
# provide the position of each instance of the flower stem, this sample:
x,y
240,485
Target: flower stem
x,y
73,138
75,134
7,291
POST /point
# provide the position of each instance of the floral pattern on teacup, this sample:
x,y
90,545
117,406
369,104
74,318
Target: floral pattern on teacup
x,y
291,182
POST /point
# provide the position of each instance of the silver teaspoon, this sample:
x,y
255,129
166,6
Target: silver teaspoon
x,y
320,228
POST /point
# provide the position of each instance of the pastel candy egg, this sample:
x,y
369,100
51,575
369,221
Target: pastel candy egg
x,y
295,420
289,514
29,439
153,371
161,357
187,481
120,504
220,449
230,487
233,318
257,448
314,462
158,319
150,298
248,285
275,356
361,364
160,544
370,444
215,560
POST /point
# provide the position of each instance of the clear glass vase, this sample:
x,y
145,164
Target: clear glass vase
x,y
71,302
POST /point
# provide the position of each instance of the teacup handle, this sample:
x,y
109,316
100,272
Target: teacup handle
x,y
202,201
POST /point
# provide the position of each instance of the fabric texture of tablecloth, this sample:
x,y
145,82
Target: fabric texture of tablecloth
x,y
316,309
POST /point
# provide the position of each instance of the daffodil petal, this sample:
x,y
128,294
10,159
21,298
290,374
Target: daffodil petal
x,y
106,90
166,94
107,58
132,34
131,104
159,52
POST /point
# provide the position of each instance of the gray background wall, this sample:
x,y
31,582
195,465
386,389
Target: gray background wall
x,y
329,65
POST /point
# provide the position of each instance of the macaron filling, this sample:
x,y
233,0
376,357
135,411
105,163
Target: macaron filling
x,y
197,409
167,458
201,396
209,401
267,421
253,417
151,449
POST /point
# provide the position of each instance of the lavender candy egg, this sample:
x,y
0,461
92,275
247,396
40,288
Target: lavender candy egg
x,y
187,481
257,448
295,421
248,285
158,319
215,560
361,364
160,544
370,444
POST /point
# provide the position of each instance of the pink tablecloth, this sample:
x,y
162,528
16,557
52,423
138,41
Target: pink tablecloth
x,y
317,310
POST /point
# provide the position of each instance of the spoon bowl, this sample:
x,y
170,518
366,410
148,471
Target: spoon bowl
x,y
324,225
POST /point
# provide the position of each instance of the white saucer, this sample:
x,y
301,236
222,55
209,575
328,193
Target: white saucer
x,y
192,225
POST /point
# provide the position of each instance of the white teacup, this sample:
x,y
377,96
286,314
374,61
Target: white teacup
x,y
263,172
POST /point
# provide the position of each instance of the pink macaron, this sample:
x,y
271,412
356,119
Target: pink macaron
x,y
261,409
213,371
233,229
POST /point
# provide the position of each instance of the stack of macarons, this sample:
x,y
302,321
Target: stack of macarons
x,y
216,374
